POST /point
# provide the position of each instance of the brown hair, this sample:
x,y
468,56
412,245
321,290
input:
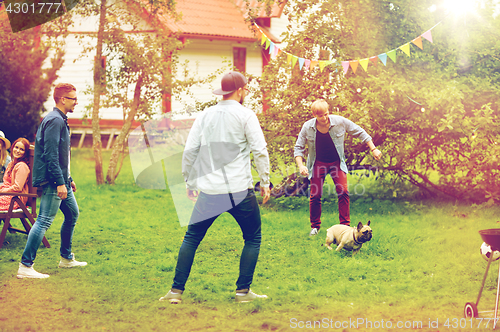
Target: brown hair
x,y
25,158
319,105
62,89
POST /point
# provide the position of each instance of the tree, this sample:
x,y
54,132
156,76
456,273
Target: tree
x,y
434,115
29,67
138,71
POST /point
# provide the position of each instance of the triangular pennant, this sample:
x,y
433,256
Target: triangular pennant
x,y
392,55
277,51
314,63
307,63
364,63
405,48
418,41
383,58
323,64
354,65
271,48
263,39
345,65
294,60
268,43
301,63
374,60
288,58
427,35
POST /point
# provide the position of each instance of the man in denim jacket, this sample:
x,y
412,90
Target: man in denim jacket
x,y
51,171
324,135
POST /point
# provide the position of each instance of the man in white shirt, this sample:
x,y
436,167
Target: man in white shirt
x,y
216,164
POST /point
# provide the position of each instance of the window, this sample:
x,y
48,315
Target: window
x,y
239,58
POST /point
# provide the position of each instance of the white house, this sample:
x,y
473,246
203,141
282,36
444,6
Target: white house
x,y
214,32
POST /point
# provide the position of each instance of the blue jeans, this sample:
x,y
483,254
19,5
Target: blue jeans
x,y
50,203
246,213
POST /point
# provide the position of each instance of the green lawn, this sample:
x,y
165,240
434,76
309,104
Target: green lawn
x,y
422,265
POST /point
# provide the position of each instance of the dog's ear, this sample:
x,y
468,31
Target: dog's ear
x,y
360,226
368,224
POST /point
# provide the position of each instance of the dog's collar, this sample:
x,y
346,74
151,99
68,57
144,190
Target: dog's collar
x,y
355,241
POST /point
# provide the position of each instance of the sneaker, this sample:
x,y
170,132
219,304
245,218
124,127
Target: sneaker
x,y
314,231
29,272
71,262
173,297
246,295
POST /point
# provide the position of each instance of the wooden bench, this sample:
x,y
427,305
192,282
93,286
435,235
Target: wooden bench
x,y
25,212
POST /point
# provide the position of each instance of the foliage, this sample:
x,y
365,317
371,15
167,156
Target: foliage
x,y
28,68
435,115
141,68
130,237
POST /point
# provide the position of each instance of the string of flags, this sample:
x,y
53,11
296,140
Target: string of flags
x,y
307,64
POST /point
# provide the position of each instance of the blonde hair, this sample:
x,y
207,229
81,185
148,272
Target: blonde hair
x,y
319,105
3,153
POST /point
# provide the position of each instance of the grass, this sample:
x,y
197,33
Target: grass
x,y
422,264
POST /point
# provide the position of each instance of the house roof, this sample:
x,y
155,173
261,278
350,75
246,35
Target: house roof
x,y
214,19
260,7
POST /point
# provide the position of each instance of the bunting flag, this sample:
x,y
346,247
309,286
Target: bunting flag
x,y
271,48
323,64
277,51
405,48
263,39
364,64
418,41
345,65
427,35
308,64
301,62
392,55
383,58
354,65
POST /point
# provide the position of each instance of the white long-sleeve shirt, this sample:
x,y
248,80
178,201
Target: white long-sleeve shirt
x,y
216,158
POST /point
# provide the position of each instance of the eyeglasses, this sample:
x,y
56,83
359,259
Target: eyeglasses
x,y
75,99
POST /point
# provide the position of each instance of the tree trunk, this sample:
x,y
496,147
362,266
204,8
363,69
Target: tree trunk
x,y
98,74
119,146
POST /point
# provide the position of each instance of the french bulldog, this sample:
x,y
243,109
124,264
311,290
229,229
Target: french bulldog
x,y
348,238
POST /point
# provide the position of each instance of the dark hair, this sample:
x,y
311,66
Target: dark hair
x,y
62,89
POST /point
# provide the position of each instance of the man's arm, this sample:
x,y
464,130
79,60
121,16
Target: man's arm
x,y
190,154
375,152
52,139
258,146
298,152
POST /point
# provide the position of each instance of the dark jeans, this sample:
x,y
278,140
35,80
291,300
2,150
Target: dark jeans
x,y
319,171
246,213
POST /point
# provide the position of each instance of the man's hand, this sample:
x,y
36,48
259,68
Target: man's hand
x,y
62,192
192,194
266,193
304,171
377,154
73,186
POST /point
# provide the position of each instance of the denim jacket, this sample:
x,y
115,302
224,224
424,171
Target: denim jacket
x,y
339,126
52,151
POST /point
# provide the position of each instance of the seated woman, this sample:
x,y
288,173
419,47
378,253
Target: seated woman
x,y
4,155
16,174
